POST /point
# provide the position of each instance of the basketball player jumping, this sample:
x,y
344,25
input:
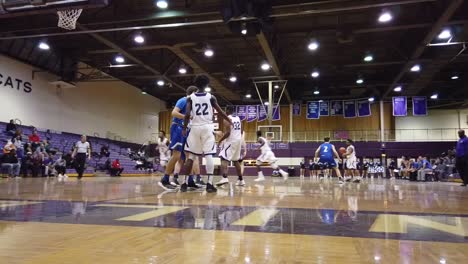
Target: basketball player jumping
x,y
351,162
231,147
326,153
177,142
267,156
201,140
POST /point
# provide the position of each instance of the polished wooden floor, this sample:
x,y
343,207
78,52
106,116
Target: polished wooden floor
x,y
131,220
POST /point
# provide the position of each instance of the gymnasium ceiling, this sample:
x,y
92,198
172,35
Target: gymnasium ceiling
x,y
346,31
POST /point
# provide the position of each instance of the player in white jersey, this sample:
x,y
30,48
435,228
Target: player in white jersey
x,y
163,148
231,147
201,139
267,156
351,162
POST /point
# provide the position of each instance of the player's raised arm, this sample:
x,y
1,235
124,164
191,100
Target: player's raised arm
x,y
214,103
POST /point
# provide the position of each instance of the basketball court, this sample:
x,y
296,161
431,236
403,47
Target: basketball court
x,y
382,83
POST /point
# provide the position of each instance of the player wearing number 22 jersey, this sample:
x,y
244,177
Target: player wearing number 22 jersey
x,y
201,139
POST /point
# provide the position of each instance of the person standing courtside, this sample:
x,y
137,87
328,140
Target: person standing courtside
x,y
81,151
462,156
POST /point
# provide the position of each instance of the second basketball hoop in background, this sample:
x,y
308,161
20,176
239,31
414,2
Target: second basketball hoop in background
x,y
68,18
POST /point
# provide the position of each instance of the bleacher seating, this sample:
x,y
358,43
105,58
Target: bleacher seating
x,y
64,142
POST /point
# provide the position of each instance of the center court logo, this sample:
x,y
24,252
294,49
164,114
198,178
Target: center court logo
x,y
11,82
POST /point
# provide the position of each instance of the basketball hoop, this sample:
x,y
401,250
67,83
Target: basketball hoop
x,y
68,18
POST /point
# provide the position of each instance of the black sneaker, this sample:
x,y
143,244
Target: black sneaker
x,y
166,185
175,182
192,185
463,184
201,182
210,188
183,187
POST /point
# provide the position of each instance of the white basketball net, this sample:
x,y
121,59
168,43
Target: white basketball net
x,y
68,18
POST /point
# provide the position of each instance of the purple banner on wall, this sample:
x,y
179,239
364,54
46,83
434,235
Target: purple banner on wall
x,y
276,113
313,111
349,109
242,112
364,108
336,108
251,113
262,114
296,109
399,106
419,106
324,108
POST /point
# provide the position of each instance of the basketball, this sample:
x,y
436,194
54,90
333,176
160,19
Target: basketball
x,y
342,150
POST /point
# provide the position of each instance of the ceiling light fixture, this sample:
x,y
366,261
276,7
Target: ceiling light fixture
x,y
315,74
445,34
182,70
208,52
208,89
160,83
43,46
233,79
455,77
244,29
397,89
143,92
385,17
416,68
162,4
266,103
265,66
139,39
313,45
360,81
248,96
316,92
371,99
119,59
434,96
276,86
368,58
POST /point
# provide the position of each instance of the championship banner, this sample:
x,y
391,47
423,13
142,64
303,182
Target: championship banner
x,y
364,108
349,109
324,108
262,114
313,111
241,111
399,106
336,108
296,109
419,106
251,113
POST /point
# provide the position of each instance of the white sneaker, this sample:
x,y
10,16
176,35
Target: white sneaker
x,y
240,183
222,182
260,179
65,176
285,175
340,180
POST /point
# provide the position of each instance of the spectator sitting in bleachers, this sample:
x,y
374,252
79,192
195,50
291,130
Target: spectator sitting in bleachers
x,y
425,167
19,145
9,146
105,151
116,169
47,165
37,161
413,170
391,168
34,139
11,128
10,162
26,164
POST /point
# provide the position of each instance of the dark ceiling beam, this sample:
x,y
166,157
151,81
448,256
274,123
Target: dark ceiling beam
x,y
129,56
436,28
271,58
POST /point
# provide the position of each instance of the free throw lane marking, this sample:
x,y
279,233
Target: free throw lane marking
x,y
9,203
258,217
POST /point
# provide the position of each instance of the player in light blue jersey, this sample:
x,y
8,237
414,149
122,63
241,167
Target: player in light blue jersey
x,y
326,153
